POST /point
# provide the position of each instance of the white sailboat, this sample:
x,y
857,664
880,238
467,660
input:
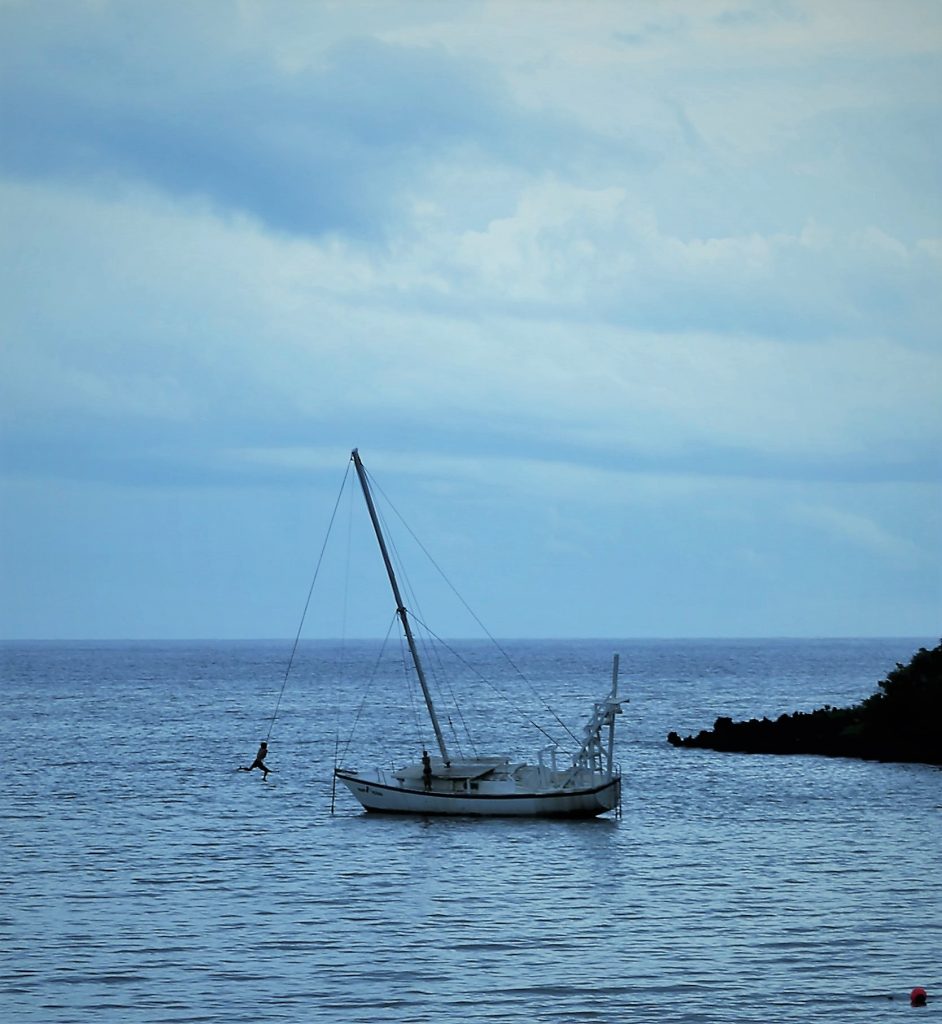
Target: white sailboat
x,y
489,786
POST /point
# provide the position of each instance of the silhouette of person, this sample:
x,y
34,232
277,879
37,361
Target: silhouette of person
x,y
259,762
426,770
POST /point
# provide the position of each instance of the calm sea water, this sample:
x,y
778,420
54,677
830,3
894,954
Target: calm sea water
x,y
144,879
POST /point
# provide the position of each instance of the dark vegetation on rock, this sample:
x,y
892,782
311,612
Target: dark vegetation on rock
x,y
901,722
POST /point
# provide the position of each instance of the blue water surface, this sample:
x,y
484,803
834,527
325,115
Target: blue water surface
x,y
146,880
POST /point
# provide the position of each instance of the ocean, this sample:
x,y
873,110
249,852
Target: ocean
x,y
144,879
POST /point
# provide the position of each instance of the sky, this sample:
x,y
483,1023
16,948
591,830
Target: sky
x,y
632,309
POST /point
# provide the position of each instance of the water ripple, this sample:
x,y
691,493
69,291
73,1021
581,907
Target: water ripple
x,y
732,890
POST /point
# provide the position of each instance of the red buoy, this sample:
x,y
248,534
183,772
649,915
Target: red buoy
x,y
917,997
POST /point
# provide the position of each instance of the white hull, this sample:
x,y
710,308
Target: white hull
x,y
379,791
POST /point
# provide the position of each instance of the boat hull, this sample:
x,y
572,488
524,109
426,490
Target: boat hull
x,y
381,797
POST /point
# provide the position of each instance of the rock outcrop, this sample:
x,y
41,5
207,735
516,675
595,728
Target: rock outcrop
x,y
902,721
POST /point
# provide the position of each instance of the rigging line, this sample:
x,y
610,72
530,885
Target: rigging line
x,y
434,672
410,689
436,669
307,603
503,696
404,582
547,707
409,597
455,703
434,665
443,678
369,686
343,616
431,658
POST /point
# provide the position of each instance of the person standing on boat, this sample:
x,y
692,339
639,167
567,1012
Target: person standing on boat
x,y
426,770
259,762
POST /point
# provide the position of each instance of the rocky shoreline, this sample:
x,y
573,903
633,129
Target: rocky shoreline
x,y
902,721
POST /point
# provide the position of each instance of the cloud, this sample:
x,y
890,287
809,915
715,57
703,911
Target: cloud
x,y
861,531
314,121
672,269
568,247
167,312
330,144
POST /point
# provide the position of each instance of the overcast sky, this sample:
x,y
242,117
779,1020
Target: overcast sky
x,y
633,310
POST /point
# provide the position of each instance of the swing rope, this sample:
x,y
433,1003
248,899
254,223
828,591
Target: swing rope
x,y
307,603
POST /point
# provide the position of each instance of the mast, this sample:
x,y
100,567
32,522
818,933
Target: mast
x,y
400,607
611,721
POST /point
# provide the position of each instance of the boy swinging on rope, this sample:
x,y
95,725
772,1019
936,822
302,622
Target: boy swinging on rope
x,y
259,762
